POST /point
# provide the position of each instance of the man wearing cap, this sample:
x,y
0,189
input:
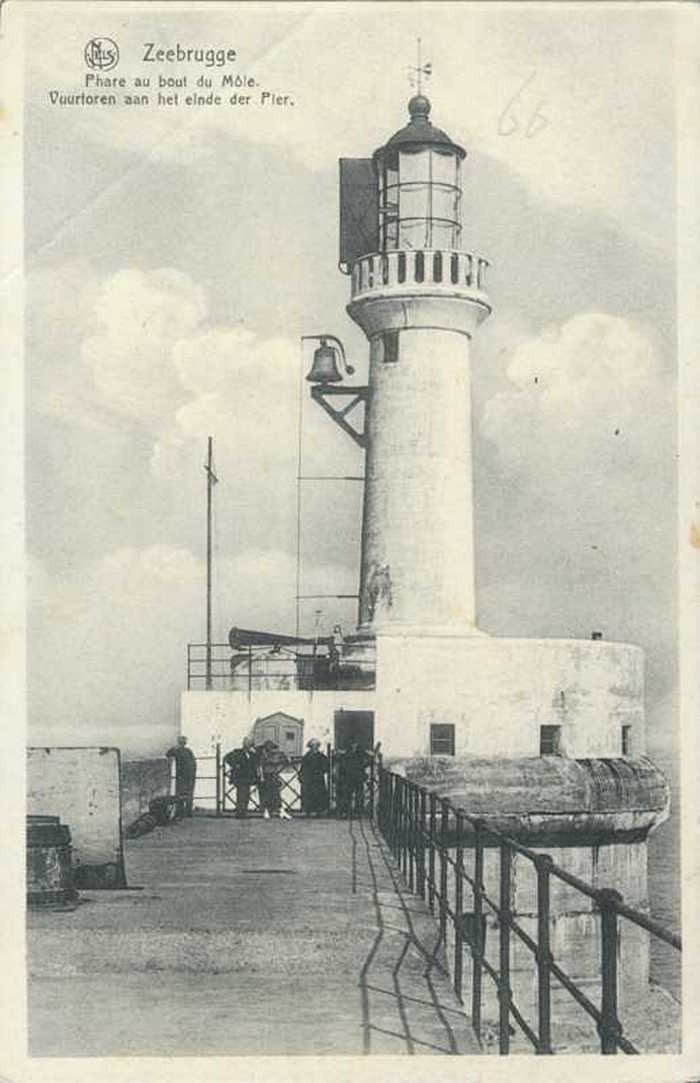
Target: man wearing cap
x,y
242,766
272,762
313,772
185,774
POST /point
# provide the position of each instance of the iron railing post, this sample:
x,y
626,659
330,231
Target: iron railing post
x,y
431,853
504,923
609,1027
421,842
478,946
331,781
459,905
543,866
411,836
406,829
218,779
396,819
444,820
402,825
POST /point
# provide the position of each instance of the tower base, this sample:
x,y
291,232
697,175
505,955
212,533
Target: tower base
x,y
592,817
503,696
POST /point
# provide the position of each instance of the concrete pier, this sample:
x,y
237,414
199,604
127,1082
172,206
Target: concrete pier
x,y
248,938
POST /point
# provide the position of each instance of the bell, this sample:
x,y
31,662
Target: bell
x,y
325,367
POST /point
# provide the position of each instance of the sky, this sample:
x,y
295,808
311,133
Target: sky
x,y
174,257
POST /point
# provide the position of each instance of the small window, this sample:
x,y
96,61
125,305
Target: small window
x,y
549,740
419,267
437,267
402,267
290,735
391,346
626,740
442,740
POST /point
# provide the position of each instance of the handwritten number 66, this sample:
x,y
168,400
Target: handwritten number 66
x,y
516,115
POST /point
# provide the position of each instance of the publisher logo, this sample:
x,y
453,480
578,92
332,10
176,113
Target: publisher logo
x,y
101,54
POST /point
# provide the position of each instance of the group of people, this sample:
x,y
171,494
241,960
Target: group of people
x,y
249,767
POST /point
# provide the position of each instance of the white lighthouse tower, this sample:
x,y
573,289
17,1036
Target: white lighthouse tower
x,y
419,300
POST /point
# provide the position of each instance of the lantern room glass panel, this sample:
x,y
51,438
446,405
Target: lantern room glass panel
x,y
420,200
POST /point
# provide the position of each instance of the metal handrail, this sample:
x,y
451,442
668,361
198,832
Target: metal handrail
x,y
407,816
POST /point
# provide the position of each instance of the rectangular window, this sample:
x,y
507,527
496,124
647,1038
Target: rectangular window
x,y
626,740
390,340
442,740
549,740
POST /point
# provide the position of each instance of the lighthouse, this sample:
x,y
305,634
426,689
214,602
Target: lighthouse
x,y
419,296
543,737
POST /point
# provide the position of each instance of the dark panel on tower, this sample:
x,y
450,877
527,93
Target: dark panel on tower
x,y
359,210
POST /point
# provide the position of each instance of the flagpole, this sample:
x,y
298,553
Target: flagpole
x,y
209,488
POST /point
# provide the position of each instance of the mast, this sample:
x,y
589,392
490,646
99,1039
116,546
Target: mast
x,y
211,482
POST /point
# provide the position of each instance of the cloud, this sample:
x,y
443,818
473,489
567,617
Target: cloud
x,y
141,316
155,360
588,401
576,525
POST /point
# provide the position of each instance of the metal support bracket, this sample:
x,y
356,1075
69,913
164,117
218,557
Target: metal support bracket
x,y
322,393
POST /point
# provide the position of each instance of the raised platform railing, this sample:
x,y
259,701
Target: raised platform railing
x,y
427,837
402,268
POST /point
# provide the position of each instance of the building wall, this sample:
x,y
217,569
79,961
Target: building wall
x,y
498,692
83,787
227,717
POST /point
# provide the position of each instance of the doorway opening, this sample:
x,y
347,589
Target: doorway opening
x,y
354,726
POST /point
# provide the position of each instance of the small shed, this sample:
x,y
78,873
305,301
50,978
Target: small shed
x,y
285,730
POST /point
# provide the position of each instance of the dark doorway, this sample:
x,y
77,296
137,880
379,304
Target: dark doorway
x,y
354,726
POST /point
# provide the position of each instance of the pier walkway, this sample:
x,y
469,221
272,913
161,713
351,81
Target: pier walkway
x,y
247,938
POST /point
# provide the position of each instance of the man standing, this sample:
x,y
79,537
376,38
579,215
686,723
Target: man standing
x,y
185,774
272,763
351,779
242,766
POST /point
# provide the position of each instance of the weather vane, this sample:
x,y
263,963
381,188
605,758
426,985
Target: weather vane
x,y
416,73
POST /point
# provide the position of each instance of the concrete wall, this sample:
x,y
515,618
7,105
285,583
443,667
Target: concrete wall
x,y
83,787
227,717
498,692
208,717
142,780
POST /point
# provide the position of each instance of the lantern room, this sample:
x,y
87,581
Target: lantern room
x,y
407,196
419,189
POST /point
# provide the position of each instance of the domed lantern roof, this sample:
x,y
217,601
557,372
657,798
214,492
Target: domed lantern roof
x,y
420,134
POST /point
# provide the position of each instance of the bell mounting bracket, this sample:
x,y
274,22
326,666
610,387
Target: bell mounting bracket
x,y
324,393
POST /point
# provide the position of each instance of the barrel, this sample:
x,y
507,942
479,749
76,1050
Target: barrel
x,y
49,871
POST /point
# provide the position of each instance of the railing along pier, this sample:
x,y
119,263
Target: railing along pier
x,y
426,836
